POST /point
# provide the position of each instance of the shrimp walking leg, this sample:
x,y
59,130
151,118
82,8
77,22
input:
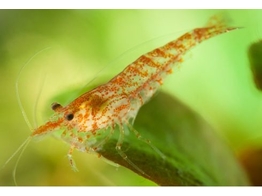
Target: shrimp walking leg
x,y
70,158
138,135
122,154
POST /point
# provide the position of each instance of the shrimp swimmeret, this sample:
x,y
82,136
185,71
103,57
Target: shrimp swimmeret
x,y
116,103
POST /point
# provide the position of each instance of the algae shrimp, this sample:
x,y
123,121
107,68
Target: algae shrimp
x,y
116,103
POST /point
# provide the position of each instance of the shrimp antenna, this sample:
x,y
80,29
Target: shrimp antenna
x,y
37,101
20,147
17,88
23,147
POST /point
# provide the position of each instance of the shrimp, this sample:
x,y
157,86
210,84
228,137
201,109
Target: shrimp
x,y
116,103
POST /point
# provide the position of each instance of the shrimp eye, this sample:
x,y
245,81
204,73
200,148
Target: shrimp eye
x,y
56,106
69,117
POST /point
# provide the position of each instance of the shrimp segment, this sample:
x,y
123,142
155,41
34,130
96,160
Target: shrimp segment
x,y
116,102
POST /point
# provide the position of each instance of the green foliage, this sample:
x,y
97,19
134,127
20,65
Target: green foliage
x,y
255,59
195,155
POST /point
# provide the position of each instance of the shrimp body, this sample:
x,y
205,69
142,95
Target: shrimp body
x,y
116,102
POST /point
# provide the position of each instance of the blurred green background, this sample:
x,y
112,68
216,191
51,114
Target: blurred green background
x,y
215,81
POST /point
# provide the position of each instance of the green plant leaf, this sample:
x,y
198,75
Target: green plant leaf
x,y
255,60
195,155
